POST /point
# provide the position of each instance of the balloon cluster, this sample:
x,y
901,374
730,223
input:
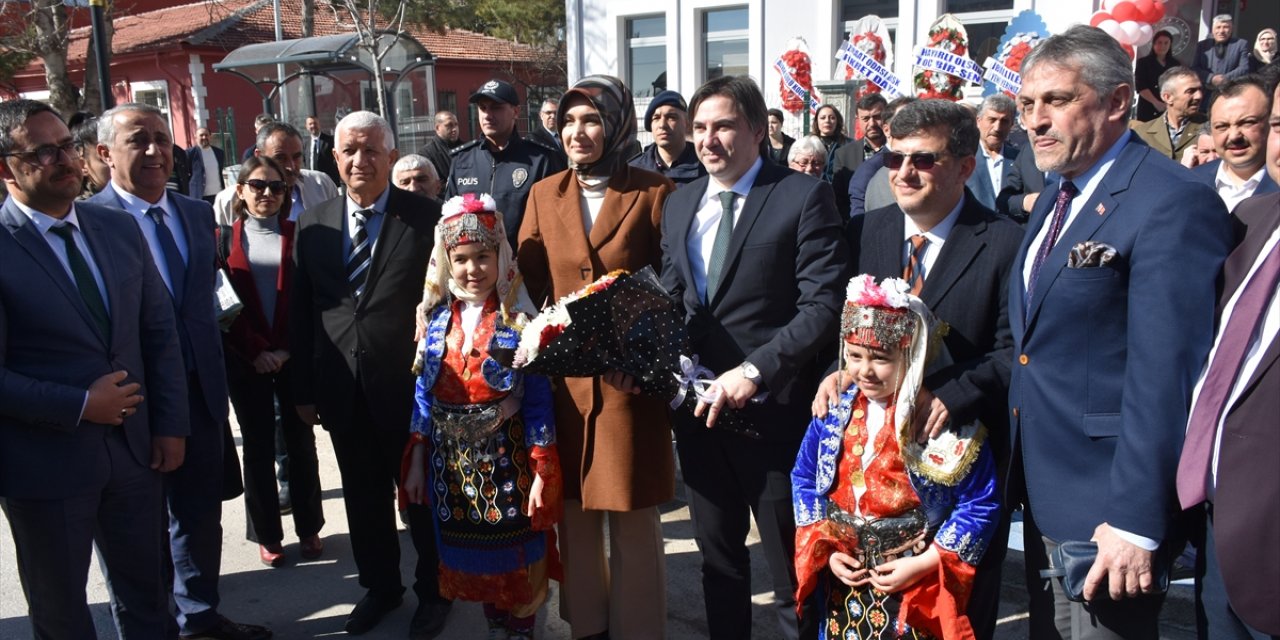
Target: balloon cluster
x,y
1129,21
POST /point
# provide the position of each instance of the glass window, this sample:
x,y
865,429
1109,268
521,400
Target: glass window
x,y
725,35
964,6
851,10
647,55
984,39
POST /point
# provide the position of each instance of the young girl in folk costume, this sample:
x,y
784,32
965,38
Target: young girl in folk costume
x,y
890,531
482,449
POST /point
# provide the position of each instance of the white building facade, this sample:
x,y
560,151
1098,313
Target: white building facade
x,y
679,44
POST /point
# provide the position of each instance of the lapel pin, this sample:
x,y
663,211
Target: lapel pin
x,y
1101,208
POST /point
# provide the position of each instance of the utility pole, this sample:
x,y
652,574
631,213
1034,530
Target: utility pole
x,y
96,10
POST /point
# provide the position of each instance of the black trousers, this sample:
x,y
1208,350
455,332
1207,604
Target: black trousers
x,y
369,458
254,397
730,479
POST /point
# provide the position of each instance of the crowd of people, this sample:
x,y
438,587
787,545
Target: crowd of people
x,y
918,343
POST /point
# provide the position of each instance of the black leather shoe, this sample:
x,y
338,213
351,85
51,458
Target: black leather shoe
x,y
369,612
428,621
228,630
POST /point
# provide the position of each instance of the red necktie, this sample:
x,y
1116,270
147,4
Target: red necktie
x,y
1233,344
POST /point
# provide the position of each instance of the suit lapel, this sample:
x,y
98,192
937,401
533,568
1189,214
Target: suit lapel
x,y
617,205
883,244
1100,206
105,260
960,250
569,216
393,229
678,220
28,237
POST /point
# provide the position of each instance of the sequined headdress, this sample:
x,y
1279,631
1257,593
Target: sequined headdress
x,y
470,218
877,315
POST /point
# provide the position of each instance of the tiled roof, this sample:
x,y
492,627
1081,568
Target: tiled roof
x,y
228,24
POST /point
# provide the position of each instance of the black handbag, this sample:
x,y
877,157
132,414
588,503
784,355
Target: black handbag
x,y
1071,561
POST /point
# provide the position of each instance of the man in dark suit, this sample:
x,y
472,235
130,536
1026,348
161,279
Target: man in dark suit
x,y
134,141
361,261
753,253
1123,245
1238,122
1021,188
995,156
1228,461
319,154
869,110
92,410
544,133
1220,57
962,264
207,162
438,148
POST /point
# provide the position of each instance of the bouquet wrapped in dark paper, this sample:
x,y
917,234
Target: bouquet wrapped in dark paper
x,y
622,322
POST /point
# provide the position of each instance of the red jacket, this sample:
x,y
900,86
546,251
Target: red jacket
x,y
250,334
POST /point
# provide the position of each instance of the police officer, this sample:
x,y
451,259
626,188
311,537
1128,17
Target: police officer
x,y
501,163
671,153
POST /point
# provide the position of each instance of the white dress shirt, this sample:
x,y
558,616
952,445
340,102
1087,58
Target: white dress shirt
x,y
995,167
212,176
137,207
936,237
702,237
1232,189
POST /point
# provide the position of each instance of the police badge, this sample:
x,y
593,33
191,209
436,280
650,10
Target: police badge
x,y
519,176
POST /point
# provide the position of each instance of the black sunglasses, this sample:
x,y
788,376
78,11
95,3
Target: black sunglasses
x,y
921,161
258,186
46,155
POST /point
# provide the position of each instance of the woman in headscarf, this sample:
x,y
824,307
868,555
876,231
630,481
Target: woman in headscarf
x,y
1264,50
615,446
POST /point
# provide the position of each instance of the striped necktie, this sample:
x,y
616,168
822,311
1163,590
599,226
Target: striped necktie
x,y
361,252
914,273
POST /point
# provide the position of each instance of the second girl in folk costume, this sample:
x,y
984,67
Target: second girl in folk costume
x,y
889,531
482,449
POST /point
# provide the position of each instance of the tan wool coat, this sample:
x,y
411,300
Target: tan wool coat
x,y
615,448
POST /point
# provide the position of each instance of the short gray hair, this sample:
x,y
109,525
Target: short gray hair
x,y
999,103
1223,17
808,144
1173,73
1096,56
107,121
367,120
414,161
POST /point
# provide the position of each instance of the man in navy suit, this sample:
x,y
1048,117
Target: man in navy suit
x,y
92,408
1238,122
1111,306
134,141
995,155
1220,58
964,257
761,291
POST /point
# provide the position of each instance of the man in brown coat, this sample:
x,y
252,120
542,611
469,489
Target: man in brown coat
x,y
1178,128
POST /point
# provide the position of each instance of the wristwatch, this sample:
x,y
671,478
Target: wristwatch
x,y
750,372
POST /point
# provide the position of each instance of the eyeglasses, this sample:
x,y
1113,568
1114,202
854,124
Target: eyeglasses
x,y
816,165
920,161
259,186
46,155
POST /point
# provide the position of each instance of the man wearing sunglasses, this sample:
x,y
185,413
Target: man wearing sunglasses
x,y
957,255
92,404
135,142
282,142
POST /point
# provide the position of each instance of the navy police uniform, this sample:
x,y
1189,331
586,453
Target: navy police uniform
x,y
507,175
684,170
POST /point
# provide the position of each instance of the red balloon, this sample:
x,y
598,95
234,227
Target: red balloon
x,y
1098,17
1156,14
1144,8
1125,11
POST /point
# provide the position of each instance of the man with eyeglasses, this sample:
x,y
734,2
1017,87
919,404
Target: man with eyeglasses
x,y
545,132
135,142
282,142
957,255
92,404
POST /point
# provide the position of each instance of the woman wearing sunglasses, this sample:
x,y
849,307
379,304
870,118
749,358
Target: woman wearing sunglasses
x,y
256,249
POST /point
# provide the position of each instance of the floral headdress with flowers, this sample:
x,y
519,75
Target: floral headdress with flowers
x,y
467,219
887,316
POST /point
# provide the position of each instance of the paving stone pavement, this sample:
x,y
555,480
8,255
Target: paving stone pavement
x,y
311,599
